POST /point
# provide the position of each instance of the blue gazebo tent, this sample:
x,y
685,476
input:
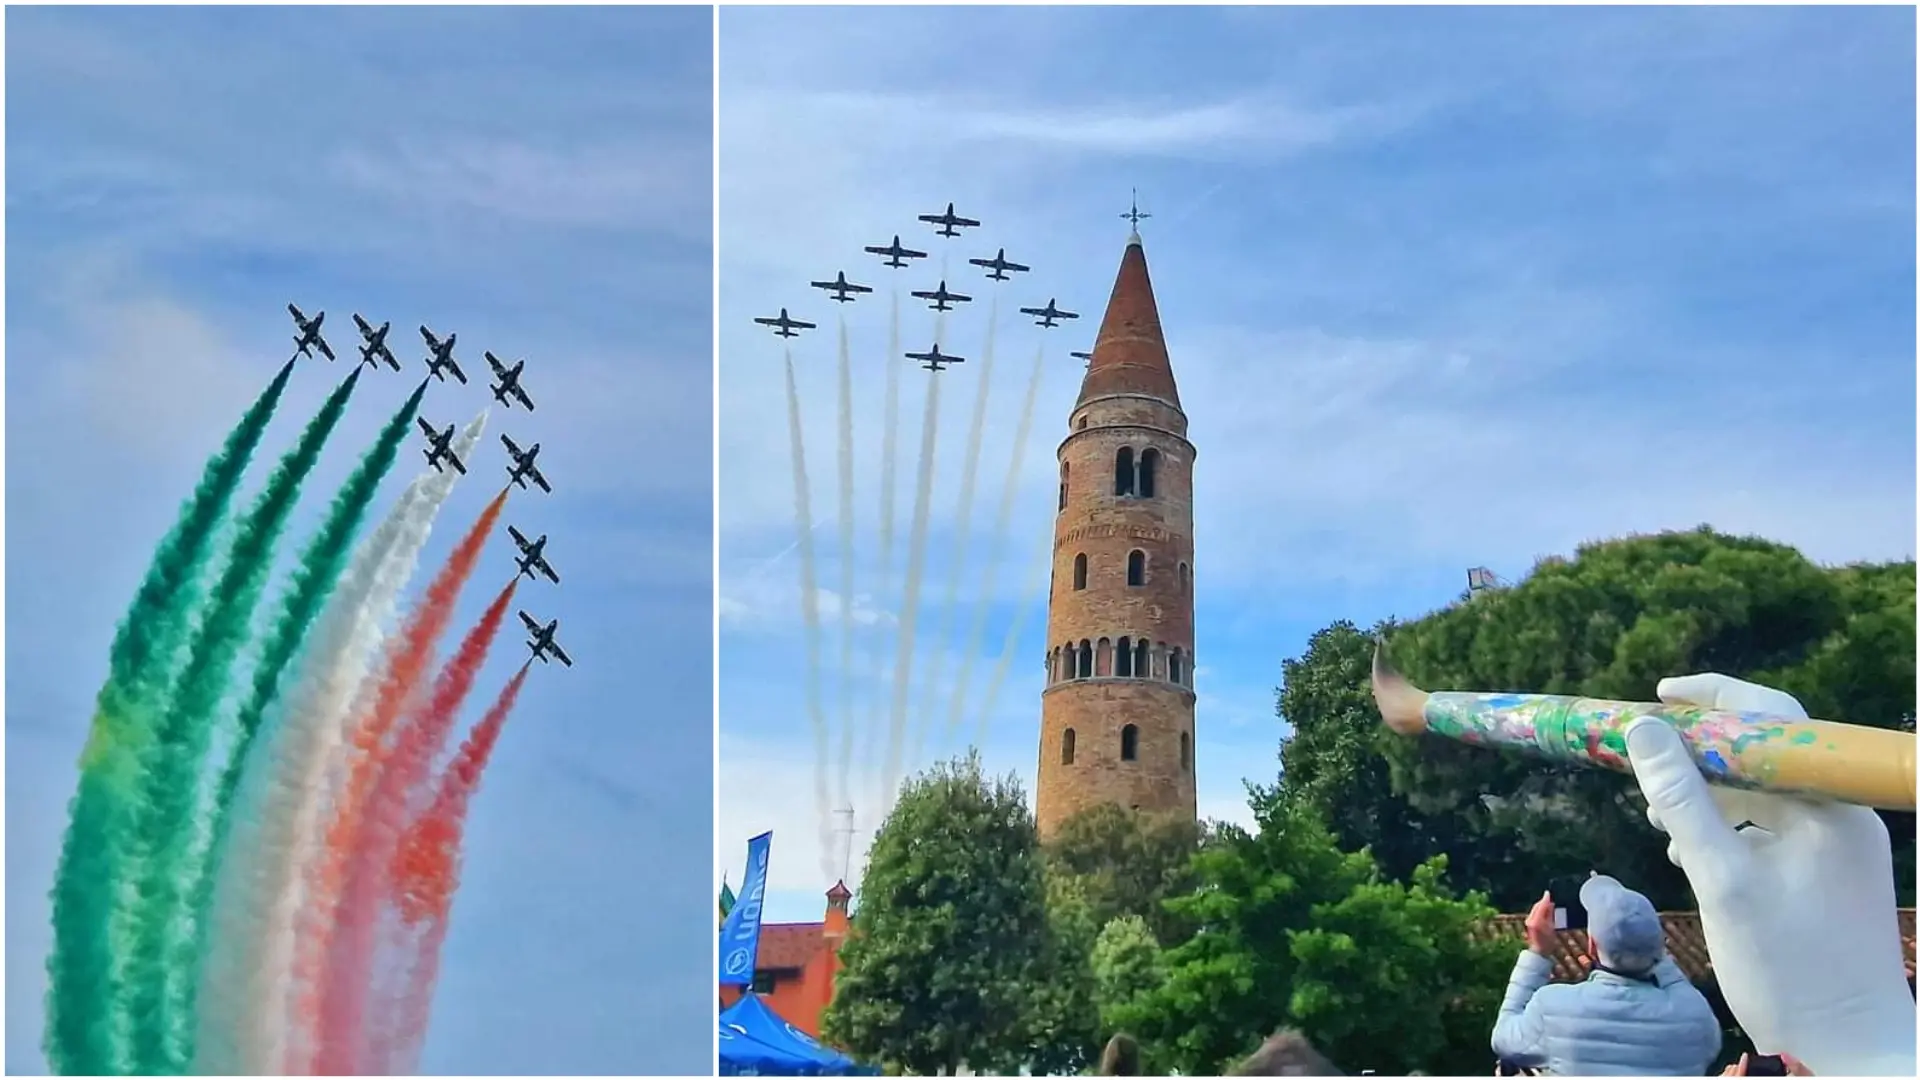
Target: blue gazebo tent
x,y
755,1041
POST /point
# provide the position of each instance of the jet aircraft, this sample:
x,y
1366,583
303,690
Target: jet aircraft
x,y
1048,316
786,327
1087,356
440,447
934,359
509,382
309,336
441,356
523,467
895,255
840,287
998,266
532,556
542,642
949,222
375,348
940,297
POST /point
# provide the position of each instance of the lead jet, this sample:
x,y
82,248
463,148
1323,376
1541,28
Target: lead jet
x,y
441,356
998,266
941,296
542,642
440,447
786,327
309,336
532,556
375,348
509,381
524,468
1049,315
949,222
840,287
1087,356
934,359
895,255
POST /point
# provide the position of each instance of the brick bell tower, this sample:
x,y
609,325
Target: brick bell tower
x,y
1116,718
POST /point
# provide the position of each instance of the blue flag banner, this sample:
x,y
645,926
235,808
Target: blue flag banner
x,y
740,934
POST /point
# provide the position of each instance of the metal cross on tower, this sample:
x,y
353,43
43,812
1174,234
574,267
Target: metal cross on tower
x,y
1134,213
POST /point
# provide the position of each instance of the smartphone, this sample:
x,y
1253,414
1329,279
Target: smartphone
x,y
1766,1065
1568,913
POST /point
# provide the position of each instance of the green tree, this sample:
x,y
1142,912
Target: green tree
x,y
1611,622
1125,862
951,935
1292,930
1127,962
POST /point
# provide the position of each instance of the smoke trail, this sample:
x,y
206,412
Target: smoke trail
x,y
345,886
84,1034
910,605
315,574
810,612
963,522
154,915
426,872
977,636
1036,578
846,566
244,973
888,446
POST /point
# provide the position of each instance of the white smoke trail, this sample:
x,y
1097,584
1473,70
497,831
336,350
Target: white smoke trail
x,y
1036,579
846,568
916,564
977,637
810,612
889,443
963,523
244,992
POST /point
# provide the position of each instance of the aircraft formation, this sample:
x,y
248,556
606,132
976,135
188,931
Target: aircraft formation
x,y
896,255
523,469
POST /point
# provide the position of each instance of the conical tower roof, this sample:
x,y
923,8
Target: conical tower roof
x,y
1130,355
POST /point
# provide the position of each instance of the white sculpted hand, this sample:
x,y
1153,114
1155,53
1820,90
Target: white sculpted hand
x,y
1798,911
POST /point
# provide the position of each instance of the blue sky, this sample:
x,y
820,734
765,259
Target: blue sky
x,y
1442,288
538,180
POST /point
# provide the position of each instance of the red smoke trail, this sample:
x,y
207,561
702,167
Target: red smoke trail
x,y
348,961
407,658
426,871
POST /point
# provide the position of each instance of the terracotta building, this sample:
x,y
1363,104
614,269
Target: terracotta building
x,y
1116,717
797,964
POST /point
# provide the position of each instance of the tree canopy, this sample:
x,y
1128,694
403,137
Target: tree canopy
x,y
951,934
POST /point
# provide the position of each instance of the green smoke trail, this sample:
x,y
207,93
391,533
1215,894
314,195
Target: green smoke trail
x,y
84,1033
314,576
172,785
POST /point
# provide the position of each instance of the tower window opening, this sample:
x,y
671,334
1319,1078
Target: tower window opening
x,y
1079,571
1066,747
1063,485
1136,568
1082,425
1149,466
1186,749
1083,663
1123,658
1129,743
1123,471
1142,660
1176,668
1103,657
1184,575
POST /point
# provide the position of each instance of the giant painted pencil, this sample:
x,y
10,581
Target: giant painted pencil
x,y
1786,755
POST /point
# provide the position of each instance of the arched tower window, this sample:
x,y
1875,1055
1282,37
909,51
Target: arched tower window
x,y
1176,668
1066,747
1185,574
1186,750
1063,485
1123,657
1142,660
1123,471
1149,468
1079,571
1136,568
1103,657
1083,663
1129,743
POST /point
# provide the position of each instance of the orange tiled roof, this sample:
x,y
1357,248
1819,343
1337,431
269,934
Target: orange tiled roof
x,y
1684,943
789,946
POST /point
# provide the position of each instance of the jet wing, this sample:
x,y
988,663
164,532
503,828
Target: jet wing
x,y
520,394
322,342
387,354
426,428
967,221
512,448
427,336
365,330
762,322
494,363
539,479
457,373
547,569
1015,266
559,653
517,538
798,325
532,627
295,312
